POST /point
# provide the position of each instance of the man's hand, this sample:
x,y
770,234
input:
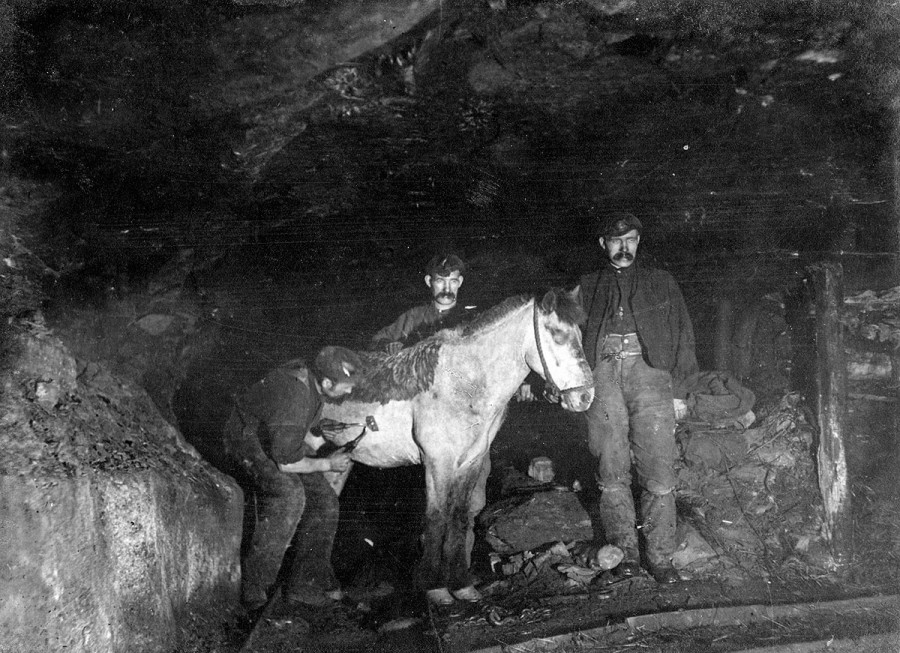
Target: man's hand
x,y
551,395
329,428
524,393
393,347
339,462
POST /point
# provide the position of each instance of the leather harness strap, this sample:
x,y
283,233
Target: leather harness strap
x,y
551,384
548,378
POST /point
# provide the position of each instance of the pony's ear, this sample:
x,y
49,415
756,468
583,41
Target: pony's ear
x,y
548,303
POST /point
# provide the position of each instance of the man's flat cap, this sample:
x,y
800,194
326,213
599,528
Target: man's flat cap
x,y
617,224
442,265
338,364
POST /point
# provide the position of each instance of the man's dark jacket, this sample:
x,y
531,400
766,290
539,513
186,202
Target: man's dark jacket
x,y
663,324
418,323
281,408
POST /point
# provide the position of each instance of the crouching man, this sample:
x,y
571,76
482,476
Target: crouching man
x,y
264,440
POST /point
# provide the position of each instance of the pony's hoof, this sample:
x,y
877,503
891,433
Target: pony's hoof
x,y
468,593
439,596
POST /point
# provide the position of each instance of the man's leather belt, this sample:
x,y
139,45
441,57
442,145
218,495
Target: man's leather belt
x,y
616,346
619,355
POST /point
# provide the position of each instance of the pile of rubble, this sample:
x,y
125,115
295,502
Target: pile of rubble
x,y
748,508
872,328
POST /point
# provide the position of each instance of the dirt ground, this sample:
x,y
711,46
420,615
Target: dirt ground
x,y
528,609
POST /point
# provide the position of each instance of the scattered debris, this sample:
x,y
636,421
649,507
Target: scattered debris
x,y
820,56
874,316
401,623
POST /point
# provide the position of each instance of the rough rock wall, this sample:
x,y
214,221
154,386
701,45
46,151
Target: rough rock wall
x,y
115,533
878,58
111,562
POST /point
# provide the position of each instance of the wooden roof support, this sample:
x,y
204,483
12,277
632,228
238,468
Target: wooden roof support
x,y
831,384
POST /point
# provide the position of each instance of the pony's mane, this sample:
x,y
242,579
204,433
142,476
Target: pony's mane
x,y
399,376
567,309
494,314
409,372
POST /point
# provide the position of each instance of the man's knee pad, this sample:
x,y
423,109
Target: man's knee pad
x,y
658,489
613,488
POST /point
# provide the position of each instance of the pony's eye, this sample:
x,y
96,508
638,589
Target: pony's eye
x,y
559,336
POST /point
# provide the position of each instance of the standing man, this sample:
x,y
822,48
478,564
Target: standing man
x,y
639,339
443,276
264,439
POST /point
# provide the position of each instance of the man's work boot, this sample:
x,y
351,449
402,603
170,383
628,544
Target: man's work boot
x,y
617,514
440,596
627,568
312,596
253,598
665,574
659,535
254,603
630,565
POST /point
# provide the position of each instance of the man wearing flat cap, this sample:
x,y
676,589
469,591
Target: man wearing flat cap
x,y
443,276
264,438
639,341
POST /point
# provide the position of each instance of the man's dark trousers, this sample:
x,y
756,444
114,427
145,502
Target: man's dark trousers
x,y
298,509
632,422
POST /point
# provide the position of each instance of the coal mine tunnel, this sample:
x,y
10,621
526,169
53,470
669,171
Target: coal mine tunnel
x,y
195,194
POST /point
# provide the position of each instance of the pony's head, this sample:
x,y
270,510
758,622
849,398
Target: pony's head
x,y
556,353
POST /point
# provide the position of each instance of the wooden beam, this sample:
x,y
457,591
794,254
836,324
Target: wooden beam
x,y
724,327
619,634
831,382
742,340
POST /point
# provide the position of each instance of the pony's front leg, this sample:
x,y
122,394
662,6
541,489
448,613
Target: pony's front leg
x,y
438,482
477,500
476,505
444,566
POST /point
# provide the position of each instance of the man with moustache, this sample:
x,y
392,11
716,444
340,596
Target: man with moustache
x,y
443,276
639,340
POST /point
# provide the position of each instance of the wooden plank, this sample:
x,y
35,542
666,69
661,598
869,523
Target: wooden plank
x,y
831,378
869,397
759,613
724,328
686,619
742,340
865,644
